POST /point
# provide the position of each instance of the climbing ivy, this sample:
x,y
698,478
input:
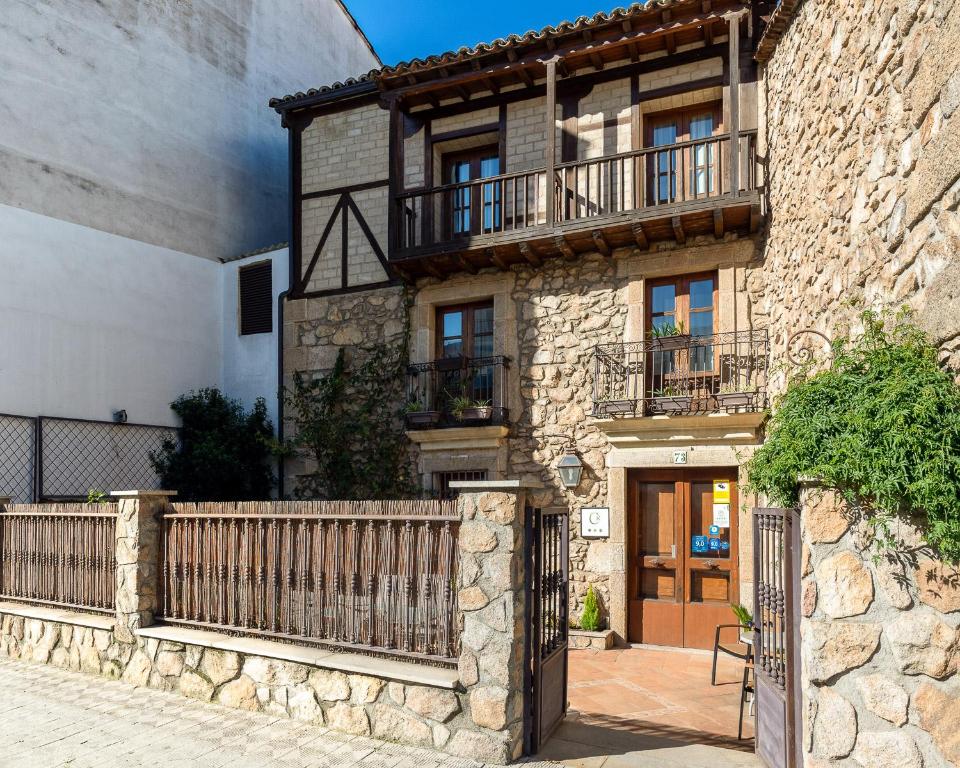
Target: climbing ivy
x,y
349,421
881,425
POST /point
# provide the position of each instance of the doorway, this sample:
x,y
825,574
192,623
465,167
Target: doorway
x,y
682,555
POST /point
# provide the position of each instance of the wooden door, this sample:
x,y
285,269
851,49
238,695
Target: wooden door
x,y
682,578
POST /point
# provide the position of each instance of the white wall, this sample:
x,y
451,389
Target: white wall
x,y
250,362
150,119
91,322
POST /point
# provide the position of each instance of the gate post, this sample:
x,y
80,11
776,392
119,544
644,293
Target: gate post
x,y
138,542
491,601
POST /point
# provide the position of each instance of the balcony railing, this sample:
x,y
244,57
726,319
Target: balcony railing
x,y
585,190
682,375
457,392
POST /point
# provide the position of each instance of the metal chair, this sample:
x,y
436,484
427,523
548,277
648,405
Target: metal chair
x,y
728,649
748,687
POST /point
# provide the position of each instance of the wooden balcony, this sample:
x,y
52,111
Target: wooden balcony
x,y
673,192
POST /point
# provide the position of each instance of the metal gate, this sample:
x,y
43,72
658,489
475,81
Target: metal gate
x,y
776,562
547,560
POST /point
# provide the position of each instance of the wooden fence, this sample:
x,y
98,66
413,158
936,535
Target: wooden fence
x,y
59,555
375,575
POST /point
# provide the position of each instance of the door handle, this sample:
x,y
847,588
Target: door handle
x,y
711,564
656,562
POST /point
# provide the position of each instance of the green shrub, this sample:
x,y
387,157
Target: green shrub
x,y
590,617
224,453
881,425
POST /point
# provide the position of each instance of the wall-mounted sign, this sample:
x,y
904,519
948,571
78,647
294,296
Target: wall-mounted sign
x,y
595,522
721,515
699,544
679,457
721,491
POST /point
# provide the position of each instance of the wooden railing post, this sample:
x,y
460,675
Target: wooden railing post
x,y
138,548
551,142
734,67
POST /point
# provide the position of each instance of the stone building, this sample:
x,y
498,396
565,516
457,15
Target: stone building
x,y
725,175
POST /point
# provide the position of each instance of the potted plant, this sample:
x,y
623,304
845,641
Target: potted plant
x,y
743,616
669,400
732,396
465,409
418,417
668,336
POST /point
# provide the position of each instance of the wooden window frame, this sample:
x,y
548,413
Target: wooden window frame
x,y
476,156
241,325
468,310
683,117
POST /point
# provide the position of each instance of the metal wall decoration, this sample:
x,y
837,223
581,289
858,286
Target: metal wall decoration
x,y
801,346
60,555
373,575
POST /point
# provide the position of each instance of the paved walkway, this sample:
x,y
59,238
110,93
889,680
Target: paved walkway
x,y
50,717
652,708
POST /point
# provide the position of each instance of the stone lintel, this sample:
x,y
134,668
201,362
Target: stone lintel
x,y
143,494
483,486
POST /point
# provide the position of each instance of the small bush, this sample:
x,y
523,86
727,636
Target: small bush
x,y
224,452
881,425
590,618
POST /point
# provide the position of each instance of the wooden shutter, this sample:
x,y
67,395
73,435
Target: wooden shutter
x,y
256,298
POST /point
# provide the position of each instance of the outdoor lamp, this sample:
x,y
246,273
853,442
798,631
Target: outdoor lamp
x,y
570,468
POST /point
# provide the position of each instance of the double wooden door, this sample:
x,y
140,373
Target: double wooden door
x,y
682,567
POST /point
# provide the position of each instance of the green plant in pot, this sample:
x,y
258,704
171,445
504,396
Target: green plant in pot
x,y
743,615
417,415
669,400
668,336
590,616
467,409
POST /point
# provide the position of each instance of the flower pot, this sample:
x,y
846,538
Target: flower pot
x,y
735,399
617,408
665,343
477,413
671,404
422,419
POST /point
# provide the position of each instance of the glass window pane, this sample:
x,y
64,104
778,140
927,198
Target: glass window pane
x,y
701,294
452,347
489,166
482,346
483,320
664,298
665,134
460,171
701,323
701,126
452,324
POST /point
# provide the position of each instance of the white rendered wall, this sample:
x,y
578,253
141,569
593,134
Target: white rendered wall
x,y
250,362
92,322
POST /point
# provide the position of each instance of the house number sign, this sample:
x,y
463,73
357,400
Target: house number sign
x,y
595,522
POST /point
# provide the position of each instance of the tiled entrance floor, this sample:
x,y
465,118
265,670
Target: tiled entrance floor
x,y
640,707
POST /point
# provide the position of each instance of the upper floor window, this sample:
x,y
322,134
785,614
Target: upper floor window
x,y
256,298
689,171
465,330
684,306
472,209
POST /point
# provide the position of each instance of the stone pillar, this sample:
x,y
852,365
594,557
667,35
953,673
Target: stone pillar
x,y
138,558
491,600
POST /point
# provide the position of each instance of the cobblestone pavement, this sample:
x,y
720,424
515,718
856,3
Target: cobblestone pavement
x,y
51,717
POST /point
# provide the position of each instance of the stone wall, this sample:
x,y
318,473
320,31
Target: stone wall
x,y
880,647
861,130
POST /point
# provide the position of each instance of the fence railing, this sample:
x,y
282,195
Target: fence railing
x,y
47,458
457,391
722,373
60,555
374,575
640,179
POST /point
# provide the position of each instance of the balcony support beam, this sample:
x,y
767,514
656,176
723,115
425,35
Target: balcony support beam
x,y
718,223
496,259
532,257
678,232
601,242
565,248
551,142
640,236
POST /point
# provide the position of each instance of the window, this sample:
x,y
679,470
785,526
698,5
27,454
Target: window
x,y
464,335
256,298
442,480
685,305
688,172
472,209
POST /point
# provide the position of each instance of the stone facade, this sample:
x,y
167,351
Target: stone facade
x,y
862,124
880,648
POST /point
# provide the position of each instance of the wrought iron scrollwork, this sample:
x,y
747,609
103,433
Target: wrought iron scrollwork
x,y
804,352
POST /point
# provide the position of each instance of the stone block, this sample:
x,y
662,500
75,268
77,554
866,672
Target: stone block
x,y
884,698
301,703
329,685
477,537
471,599
220,666
832,648
488,707
938,585
844,584
348,719
434,703
364,689
474,745
240,694
169,663
938,713
834,726
887,749
392,724
195,686
922,644
273,672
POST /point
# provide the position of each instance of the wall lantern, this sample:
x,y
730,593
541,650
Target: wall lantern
x,y
570,468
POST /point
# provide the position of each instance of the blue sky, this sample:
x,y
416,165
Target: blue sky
x,y
418,28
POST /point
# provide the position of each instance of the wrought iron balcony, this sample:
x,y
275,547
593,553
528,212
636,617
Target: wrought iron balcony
x,y
682,375
656,193
457,392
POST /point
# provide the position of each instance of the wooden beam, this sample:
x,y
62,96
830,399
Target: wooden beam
x,y
671,42
678,232
564,247
431,269
601,242
708,34
490,86
466,265
641,237
496,259
532,257
550,134
734,67
462,92
755,218
718,223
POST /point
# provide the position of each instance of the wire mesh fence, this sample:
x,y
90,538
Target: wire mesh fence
x,y
48,458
